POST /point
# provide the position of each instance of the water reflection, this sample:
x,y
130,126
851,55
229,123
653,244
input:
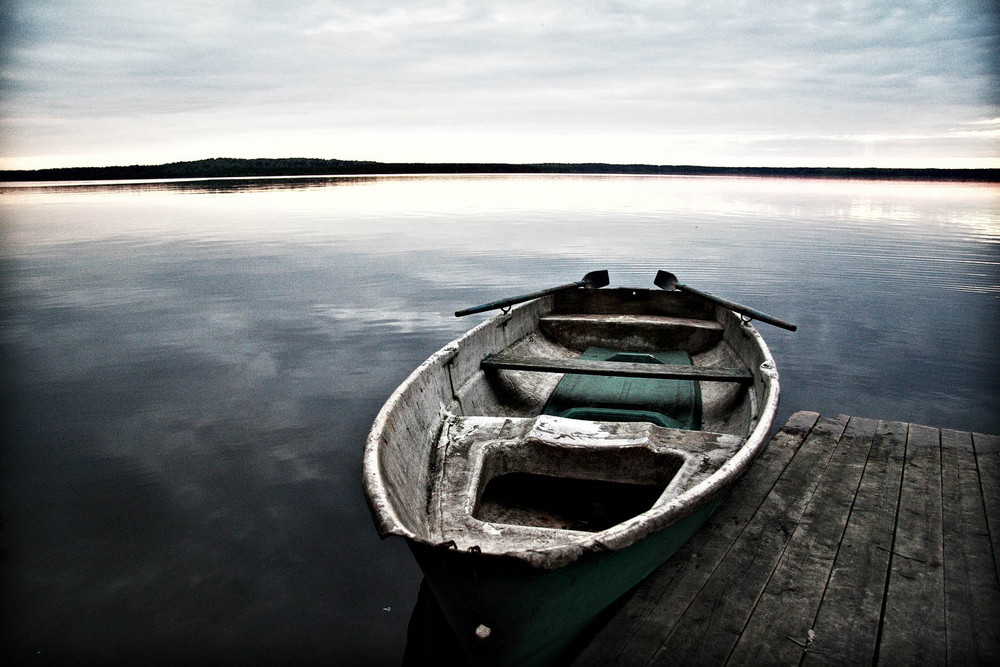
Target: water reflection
x,y
183,186
194,367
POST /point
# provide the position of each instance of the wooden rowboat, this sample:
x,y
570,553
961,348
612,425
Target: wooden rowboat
x,y
548,460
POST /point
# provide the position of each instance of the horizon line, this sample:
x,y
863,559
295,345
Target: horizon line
x,y
228,167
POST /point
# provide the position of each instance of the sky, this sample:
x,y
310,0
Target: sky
x,y
852,83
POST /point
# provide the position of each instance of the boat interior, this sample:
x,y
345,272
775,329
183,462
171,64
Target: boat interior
x,y
533,372
581,412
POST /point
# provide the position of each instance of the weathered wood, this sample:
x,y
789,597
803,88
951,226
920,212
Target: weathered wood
x,y
880,552
652,332
778,631
634,634
987,448
668,281
846,628
628,301
714,620
541,589
913,624
514,362
972,599
593,280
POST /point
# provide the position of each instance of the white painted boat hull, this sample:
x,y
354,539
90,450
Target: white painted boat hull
x,y
454,426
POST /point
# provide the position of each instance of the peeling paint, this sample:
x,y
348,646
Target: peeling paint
x,y
463,426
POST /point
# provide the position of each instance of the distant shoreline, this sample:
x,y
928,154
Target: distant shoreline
x,y
260,167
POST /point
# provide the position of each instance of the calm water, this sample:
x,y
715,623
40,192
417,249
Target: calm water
x,y
193,366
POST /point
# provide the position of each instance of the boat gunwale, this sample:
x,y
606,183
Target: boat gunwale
x,y
620,535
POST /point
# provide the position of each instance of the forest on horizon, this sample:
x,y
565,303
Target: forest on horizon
x,y
263,167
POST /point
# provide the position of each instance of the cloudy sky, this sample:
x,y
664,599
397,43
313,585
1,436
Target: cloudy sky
x,y
713,82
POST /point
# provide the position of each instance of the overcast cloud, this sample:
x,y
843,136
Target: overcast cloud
x,y
856,83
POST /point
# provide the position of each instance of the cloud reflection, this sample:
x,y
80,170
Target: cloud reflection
x,y
192,376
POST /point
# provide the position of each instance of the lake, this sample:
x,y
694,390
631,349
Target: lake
x,y
192,368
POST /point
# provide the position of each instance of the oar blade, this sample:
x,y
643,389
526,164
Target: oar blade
x,y
596,279
665,280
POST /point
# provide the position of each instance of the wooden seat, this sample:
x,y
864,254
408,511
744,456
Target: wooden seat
x,y
474,451
653,332
515,362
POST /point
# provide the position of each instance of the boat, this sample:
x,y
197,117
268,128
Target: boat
x,y
549,459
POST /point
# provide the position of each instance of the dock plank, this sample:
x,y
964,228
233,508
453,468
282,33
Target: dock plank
x,y
850,541
915,593
987,449
972,602
779,628
714,620
846,627
635,634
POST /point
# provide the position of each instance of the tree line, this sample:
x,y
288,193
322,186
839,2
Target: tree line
x,y
241,167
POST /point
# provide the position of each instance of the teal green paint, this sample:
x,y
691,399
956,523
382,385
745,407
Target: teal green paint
x,y
535,615
670,403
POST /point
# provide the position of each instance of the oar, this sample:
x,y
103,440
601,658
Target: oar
x,y
668,281
592,279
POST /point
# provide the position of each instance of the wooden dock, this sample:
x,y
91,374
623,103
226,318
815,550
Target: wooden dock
x,y
849,542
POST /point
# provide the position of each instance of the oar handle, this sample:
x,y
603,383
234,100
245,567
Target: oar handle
x,y
593,279
740,308
510,301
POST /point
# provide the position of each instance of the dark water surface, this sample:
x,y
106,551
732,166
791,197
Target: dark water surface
x,y
192,368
